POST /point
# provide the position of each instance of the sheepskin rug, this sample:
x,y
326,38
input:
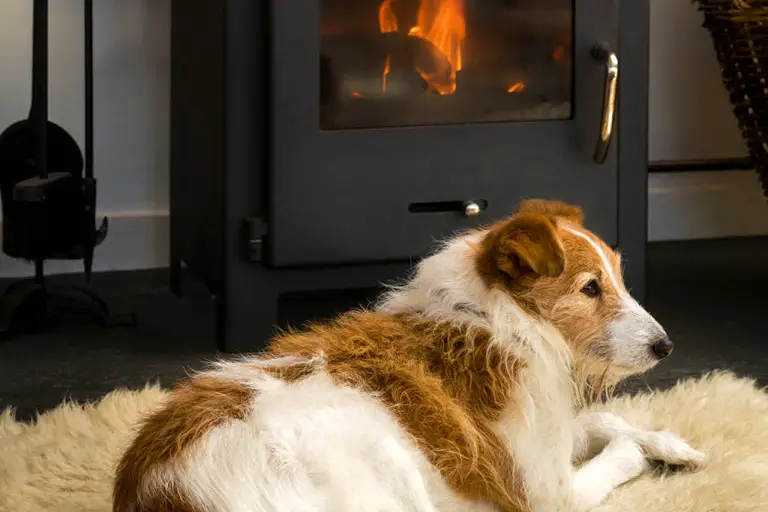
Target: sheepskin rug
x,y
64,461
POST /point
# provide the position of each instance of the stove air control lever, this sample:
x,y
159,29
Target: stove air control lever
x,y
467,207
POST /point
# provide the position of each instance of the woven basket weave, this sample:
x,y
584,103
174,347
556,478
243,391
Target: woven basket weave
x,y
739,30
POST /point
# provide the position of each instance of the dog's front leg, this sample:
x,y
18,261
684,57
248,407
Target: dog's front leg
x,y
620,461
595,430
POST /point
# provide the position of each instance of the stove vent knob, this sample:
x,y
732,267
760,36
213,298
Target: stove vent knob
x,y
471,208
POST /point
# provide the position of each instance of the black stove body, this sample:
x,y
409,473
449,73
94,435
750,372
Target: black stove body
x,y
323,145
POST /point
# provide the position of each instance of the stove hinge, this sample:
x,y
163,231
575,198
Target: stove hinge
x,y
255,237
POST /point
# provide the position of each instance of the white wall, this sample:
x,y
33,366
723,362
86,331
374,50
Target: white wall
x,y
690,115
690,118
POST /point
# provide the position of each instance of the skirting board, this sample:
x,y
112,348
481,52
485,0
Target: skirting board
x,y
682,206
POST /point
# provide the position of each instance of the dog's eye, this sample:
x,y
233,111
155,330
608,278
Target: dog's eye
x,y
591,289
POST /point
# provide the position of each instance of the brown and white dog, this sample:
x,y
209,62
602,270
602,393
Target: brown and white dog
x,y
459,392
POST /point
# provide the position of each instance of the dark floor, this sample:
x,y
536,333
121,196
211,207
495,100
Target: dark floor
x,y
712,296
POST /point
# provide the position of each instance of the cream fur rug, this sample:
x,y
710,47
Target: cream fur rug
x,y
64,461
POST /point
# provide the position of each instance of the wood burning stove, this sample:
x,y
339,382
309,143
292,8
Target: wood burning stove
x,y
323,145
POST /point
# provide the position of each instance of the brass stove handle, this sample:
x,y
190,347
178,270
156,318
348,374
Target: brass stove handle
x,y
611,61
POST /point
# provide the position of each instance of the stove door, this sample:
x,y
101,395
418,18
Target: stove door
x,y
396,122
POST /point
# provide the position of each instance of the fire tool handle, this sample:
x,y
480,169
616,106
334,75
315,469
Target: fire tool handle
x,y
607,121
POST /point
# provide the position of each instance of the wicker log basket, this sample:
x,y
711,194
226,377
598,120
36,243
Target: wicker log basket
x,y
739,30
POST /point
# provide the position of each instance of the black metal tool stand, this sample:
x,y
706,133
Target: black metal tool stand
x,y
34,305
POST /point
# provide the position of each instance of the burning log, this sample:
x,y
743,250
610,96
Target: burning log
x,y
388,64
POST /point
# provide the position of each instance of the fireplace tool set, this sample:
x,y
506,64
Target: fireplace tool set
x,y
48,202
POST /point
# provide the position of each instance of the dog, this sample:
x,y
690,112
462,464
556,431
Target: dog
x,y
460,390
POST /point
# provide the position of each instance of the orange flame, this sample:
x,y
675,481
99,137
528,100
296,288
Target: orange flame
x,y
384,77
440,22
387,18
516,87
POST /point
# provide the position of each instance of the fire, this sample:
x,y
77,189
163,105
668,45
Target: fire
x,y
516,87
356,94
387,18
440,22
384,77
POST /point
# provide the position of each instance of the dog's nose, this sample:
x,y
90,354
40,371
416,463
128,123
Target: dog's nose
x,y
662,347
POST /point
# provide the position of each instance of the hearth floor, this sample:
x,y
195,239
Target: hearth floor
x,y
712,296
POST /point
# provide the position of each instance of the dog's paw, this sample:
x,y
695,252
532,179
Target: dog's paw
x,y
669,449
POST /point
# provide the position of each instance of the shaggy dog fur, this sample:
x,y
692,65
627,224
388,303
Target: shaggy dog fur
x,y
65,461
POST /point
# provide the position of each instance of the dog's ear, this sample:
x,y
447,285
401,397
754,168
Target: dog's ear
x,y
553,208
525,245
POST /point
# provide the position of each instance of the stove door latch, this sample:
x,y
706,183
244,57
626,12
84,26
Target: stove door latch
x,y
255,233
611,63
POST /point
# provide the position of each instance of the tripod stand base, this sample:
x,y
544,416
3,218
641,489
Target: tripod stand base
x,y
30,307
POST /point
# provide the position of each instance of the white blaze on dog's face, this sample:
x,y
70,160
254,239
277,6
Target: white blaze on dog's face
x,y
562,273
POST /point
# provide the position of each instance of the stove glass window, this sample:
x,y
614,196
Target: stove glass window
x,y
393,63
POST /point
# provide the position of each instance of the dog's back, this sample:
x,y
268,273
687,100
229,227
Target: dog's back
x,y
318,432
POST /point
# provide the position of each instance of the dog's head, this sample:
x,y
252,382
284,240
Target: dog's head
x,y
557,270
